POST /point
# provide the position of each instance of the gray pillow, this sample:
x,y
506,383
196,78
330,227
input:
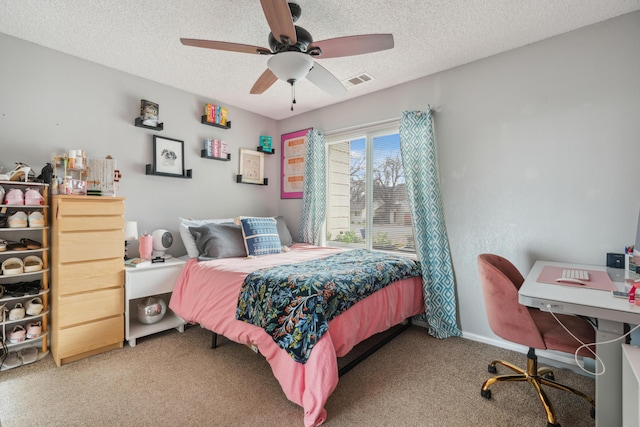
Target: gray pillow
x,y
219,241
283,232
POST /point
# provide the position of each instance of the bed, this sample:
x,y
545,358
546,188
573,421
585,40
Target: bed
x,y
207,293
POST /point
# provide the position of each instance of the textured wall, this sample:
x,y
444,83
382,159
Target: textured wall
x,y
538,150
51,102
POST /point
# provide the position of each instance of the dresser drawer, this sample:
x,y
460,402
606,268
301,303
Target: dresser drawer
x,y
88,207
86,307
90,336
89,276
90,245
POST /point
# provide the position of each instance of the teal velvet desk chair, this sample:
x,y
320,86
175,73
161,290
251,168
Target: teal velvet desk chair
x,y
530,327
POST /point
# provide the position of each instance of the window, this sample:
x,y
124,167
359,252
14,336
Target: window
x,y
367,204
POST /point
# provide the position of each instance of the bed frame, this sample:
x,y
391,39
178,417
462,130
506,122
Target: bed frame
x,y
361,351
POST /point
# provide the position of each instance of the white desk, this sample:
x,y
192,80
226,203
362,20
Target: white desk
x,y
611,314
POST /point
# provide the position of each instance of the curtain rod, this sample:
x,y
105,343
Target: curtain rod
x,y
367,125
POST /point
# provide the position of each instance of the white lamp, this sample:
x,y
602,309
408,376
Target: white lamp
x,y
290,66
130,233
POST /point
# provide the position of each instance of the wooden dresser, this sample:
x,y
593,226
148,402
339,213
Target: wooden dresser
x,y
87,282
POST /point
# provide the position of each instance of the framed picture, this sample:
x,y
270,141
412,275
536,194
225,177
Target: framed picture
x,y
293,153
168,156
149,112
252,166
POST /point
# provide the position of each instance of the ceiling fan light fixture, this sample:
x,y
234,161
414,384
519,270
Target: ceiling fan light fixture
x,y
290,65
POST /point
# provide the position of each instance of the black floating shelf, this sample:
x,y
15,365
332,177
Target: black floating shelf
x,y
186,174
265,181
140,125
203,154
273,151
204,121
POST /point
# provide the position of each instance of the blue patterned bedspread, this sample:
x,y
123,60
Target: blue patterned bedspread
x,y
294,303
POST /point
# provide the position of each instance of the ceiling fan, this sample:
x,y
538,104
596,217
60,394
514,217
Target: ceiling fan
x,y
293,50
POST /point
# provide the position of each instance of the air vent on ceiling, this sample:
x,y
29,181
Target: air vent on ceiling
x,y
357,80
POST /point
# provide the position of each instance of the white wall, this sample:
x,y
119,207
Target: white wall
x,y
538,150
51,102
537,146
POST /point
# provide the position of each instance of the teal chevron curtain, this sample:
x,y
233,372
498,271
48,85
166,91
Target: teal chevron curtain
x,y
417,145
314,199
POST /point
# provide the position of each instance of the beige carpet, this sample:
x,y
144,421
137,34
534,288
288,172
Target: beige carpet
x,y
173,379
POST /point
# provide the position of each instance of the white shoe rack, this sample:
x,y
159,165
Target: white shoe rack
x,y
39,234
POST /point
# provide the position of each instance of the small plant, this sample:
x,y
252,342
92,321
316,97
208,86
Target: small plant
x,y
382,240
348,236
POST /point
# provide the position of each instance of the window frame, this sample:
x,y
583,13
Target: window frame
x,y
368,133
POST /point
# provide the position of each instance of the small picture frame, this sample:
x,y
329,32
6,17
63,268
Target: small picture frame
x,y
251,166
149,113
168,156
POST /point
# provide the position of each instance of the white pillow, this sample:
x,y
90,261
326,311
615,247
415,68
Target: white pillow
x,y
187,237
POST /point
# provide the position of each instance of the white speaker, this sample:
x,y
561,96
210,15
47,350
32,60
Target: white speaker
x,y
162,240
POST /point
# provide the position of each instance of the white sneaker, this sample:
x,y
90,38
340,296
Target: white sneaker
x,y
33,197
36,219
34,306
17,312
18,220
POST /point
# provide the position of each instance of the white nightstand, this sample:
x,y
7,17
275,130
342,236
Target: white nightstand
x,y
150,279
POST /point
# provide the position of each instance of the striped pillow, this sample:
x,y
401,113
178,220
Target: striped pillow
x,y
260,236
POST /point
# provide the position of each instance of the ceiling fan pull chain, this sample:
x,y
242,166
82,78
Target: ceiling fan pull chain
x,y
293,94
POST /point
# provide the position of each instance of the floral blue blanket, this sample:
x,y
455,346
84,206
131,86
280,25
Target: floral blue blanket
x,y
294,303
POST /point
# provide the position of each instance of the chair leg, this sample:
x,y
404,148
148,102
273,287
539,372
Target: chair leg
x,y
552,383
546,403
536,377
514,368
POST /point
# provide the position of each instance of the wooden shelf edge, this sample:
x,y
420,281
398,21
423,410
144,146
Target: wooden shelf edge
x,y
138,123
265,181
187,173
204,121
273,151
203,154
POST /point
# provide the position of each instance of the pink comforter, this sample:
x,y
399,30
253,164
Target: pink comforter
x,y
207,293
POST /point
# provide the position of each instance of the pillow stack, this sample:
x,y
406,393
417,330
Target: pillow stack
x,y
208,239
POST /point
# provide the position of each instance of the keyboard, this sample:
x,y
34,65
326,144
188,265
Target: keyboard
x,y
575,274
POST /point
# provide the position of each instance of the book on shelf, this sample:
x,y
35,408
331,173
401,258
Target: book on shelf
x,y
266,144
216,114
216,148
210,112
223,116
134,262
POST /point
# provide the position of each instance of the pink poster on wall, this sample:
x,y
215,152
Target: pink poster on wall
x,y
294,149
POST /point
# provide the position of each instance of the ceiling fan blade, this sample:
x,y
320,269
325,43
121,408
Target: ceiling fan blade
x,y
353,45
326,81
264,82
231,47
279,19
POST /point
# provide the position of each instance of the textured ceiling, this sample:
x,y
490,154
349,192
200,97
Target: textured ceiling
x,y
141,37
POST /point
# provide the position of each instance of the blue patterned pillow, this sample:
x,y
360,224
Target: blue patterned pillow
x,y
260,236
